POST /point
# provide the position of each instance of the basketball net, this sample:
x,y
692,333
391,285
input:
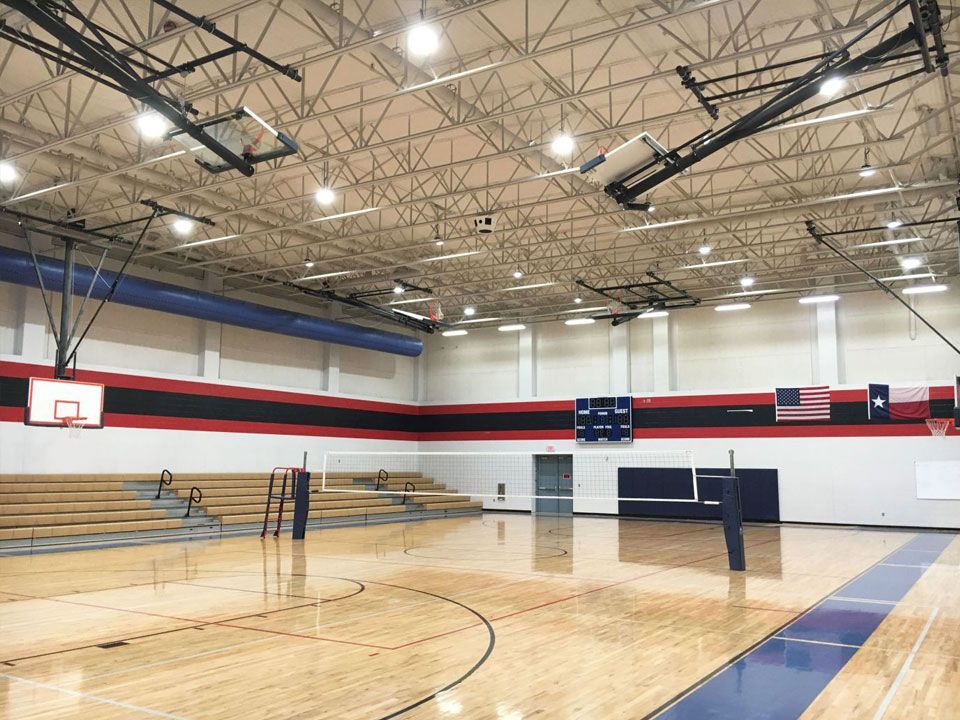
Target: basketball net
x,y
74,426
938,426
435,311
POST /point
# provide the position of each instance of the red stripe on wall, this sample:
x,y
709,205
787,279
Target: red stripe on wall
x,y
732,400
190,387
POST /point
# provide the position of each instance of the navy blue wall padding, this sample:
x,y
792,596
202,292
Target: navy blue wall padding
x,y
17,267
759,493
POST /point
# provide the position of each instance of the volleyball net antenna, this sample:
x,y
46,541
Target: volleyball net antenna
x,y
596,475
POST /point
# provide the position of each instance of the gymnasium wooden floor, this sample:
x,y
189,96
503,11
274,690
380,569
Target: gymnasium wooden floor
x,y
508,617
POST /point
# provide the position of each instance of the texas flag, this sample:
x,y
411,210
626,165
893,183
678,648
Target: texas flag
x,y
898,403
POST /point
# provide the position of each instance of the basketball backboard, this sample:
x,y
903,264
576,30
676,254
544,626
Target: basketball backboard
x,y
53,402
242,132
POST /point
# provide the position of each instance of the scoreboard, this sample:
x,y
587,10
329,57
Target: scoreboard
x,y
604,419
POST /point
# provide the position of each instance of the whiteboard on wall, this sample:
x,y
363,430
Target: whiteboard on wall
x,y
938,479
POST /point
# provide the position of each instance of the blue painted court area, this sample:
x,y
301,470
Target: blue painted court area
x,y
779,679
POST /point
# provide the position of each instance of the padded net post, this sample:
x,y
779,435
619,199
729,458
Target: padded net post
x,y
477,474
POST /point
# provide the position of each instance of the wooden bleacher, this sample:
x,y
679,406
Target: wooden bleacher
x,y
40,508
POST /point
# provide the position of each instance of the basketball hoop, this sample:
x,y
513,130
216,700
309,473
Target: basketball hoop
x,y
938,426
74,426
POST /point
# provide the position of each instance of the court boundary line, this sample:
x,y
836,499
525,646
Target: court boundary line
x,y
905,668
94,698
743,653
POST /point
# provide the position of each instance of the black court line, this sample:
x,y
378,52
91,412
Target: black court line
x,y
198,626
739,656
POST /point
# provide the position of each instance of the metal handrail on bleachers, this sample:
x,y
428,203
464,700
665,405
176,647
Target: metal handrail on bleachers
x,y
382,477
166,478
196,496
407,487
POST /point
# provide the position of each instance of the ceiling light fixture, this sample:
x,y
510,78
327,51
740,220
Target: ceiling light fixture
x,y
454,333
8,173
562,144
817,299
325,195
832,86
654,226
654,314
518,273
151,125
895,223
422,40
704,250
578,299
923,289
399,289
308,262
512,328
910,263
469,311
580,321
747,281
730,307
182,226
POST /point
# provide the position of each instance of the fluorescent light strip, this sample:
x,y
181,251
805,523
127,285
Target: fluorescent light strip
x,y
654,226
338,216
825,118
921,289
207,241
479,320
716,263
411,314
41,192
529,287
732,306
411,300
512,328
554,173
882,243
454,333
817,299
654,314
449,78
756,292
580,321
321,276
583,310
909,276
450,257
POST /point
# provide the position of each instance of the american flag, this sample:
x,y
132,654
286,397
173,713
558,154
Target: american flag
x,y
804,403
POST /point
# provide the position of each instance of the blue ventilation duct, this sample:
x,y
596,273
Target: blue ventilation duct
x,y
17,267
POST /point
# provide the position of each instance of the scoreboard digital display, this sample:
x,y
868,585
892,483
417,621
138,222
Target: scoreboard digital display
x,y
604,419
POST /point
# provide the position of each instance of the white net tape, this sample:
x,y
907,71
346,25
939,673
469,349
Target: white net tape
x,y
498,474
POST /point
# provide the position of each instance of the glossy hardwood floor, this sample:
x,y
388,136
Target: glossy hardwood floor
x,y
507,617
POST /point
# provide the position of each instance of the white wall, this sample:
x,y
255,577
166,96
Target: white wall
x,y
480,367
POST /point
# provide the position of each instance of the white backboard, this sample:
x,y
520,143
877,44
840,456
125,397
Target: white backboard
x,y
50,402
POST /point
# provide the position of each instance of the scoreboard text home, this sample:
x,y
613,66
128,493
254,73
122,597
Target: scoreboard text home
x,y
604,419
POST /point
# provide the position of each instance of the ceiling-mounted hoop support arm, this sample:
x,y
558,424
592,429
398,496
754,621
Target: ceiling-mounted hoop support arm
x,y
237,46
688,81
399,283
94,57
803,89
655,300
427,326
161,210
821,239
